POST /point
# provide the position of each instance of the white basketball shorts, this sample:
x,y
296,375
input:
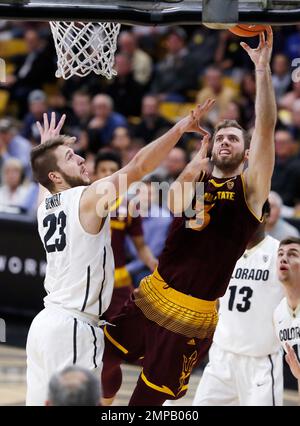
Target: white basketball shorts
x,y
233,379
56,340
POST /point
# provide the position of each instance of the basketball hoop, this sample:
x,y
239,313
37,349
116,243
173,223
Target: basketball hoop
x,y
83,47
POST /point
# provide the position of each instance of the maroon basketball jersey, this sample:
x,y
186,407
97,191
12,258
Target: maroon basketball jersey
x,y
198,259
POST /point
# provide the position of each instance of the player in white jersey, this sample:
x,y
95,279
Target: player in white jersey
x,y
74,226
245,359
287,313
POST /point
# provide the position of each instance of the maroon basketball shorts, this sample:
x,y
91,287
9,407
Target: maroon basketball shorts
x,y
118,300
168,357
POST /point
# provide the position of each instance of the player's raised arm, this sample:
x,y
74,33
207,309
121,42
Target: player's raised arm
x,y
98,196
182,191
262,150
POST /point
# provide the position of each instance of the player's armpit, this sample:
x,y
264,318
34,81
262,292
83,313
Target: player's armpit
x,y
257,188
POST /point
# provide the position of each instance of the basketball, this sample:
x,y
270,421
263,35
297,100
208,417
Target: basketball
x,y
247,30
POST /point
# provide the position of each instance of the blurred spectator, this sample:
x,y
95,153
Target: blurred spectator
x,y
276,226
248,90
202,46
294,126
177,73
287,101
152,124
156,222
30,201
229,57
214,87
120,142
292,44
149,37
12,191
58,102
123,84
281,75
103,122
37,102
16,145
81,114
32,71
4,155
140,60
234,111
78,119
173,165
286,175
74,387
10,29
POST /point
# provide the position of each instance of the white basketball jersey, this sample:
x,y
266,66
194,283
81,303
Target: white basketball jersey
x,y
80,266
287,325
246,310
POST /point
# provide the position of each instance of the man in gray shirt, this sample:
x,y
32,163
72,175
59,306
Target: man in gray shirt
x,y
276,226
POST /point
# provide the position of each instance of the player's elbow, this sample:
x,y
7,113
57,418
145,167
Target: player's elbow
x,y
140,166
136,168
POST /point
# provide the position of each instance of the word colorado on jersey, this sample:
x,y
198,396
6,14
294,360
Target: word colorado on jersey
x,y
251,274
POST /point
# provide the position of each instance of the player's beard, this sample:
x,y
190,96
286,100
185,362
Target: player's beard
x,y
228,164
74,181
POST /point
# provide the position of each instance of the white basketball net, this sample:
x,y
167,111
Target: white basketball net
x,y
83,47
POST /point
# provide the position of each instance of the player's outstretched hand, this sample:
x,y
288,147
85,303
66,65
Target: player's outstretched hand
x,y
292,360
261,56
50,130
201,158
192,123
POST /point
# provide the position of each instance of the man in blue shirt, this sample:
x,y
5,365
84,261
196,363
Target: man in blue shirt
x,y
156,222
104,122
16,145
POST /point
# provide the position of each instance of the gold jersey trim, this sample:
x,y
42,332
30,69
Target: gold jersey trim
x,y
122,278
219,185
115,224
114,342
116,204
176,311
163,389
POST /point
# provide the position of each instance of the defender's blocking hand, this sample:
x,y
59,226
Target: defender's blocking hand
x,y
191,123
49,131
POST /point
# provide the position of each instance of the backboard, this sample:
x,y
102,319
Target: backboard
x,y
146,12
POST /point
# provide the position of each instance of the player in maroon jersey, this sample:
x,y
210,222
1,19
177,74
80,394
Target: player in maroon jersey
x,y
122,224
172,317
